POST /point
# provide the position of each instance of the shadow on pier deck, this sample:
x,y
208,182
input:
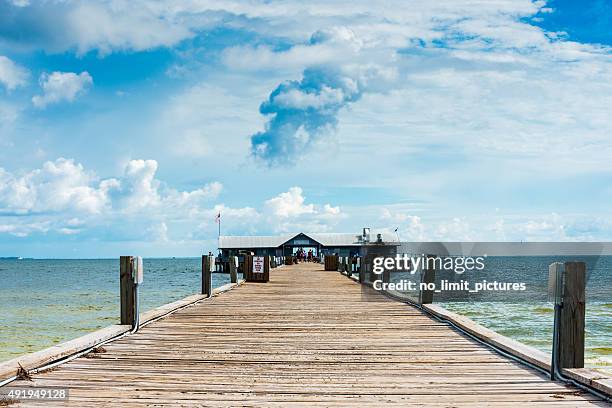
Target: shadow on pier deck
x,y
305,338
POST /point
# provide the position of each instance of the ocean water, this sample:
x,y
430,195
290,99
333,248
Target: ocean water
x,y
532,324
46,302
527,316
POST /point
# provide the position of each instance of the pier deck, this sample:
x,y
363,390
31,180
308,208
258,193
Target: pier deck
x,y
305,338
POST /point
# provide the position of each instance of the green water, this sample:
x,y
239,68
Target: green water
x,y
527,316
46,302
532,324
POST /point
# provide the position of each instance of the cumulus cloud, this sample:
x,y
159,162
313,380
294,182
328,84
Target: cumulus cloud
x,y
61,185
472,85
138,187
288,212
62,197
290,204
61,86
11,74
451,55
70,199
301,113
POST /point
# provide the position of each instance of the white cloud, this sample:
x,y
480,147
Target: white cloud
x,y
61,86
105,26
21,229
138,187
289,212
139,190
476,96
337,44
68,231
58,186
11,74
330,210
124,25
409,227
141,25
63,196
289,204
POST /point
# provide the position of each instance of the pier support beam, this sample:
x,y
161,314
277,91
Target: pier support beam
x,y
208,263
126,290
571,320
362,270
429,276
233,269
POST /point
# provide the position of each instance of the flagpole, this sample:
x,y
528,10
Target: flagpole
x,y
219,236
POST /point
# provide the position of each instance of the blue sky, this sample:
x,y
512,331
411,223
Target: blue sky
x,y
126,126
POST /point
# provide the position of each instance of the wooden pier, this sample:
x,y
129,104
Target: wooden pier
x,y
306,338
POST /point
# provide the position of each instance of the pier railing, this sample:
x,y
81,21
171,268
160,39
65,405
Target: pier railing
x,y
132,275
567,281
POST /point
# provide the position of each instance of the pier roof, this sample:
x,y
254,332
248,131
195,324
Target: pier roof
x,y
275,241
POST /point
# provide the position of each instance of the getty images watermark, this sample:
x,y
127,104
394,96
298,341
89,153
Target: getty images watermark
x,y
410,265
511,272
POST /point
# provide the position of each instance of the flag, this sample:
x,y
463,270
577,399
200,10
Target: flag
x,y
218,218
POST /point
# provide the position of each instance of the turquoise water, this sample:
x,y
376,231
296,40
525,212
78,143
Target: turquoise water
x,y
532,324
46,302
527,316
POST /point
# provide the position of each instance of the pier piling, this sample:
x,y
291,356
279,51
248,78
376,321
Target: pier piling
x,y
126,290
429,276
571,322
208,263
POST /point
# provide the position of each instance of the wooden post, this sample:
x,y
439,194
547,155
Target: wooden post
x,y
233,269
248,267
126,290
331,262
266,277
571,322
371,276
429,276
386,275
250,276
362,270
207,262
